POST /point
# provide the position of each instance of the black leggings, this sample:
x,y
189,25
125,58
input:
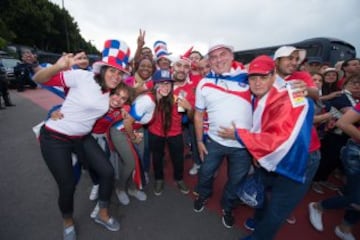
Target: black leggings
x,y
56,150
176,150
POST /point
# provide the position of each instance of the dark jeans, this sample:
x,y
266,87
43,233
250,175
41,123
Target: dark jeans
x,y
4,91
239,162
284,196
56,150
146,158
330,155
350,156
176,149
194,146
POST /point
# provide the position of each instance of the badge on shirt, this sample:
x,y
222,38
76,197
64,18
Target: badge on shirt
x,y
297,97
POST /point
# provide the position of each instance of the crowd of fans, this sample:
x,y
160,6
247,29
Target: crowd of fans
x,y
152,104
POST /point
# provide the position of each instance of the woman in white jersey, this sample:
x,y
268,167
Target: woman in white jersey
x,y
86,101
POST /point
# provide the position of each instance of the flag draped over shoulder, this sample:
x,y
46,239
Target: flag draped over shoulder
x,y
280,137
58,91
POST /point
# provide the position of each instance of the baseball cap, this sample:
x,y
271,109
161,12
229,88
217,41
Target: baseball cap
x,y
286,51
217,44
161,76
261,65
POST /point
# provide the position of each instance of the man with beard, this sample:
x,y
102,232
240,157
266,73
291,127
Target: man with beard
x,y
184,92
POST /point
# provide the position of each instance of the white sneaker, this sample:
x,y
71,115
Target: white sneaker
x,y
195,169
315,217
139,195
342,235
329,185
291,219
94,193
95,212
317,188
69,233
122,196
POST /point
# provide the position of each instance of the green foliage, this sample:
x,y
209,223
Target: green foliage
x,y
2,43
42,25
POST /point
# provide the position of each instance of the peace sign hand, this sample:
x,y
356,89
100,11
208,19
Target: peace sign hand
x,y
141,38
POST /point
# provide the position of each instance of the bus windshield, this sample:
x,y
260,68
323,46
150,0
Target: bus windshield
x,y
330,50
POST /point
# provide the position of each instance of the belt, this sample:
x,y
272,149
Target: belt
x,y
64,135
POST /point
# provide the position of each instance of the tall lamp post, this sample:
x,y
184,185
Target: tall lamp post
x,y
66,29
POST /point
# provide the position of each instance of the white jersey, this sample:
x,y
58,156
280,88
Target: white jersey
x,y
225,101
83,105
142,110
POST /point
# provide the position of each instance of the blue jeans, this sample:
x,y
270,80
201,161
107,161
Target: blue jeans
x,y
350,155
285,194
239,161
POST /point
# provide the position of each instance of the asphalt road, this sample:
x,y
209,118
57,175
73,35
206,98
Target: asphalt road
x,y
28,195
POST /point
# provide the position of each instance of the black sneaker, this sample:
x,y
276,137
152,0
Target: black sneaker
x,y
158,187
227,219
182,187
199,204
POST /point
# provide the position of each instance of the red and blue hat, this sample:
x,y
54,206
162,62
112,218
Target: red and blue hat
x,y
161,51
116,54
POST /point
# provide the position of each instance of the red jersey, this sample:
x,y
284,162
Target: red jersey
x,y
340,83
187,91
104,123
195,79
156,125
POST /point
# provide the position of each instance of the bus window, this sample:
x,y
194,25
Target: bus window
x,y
330,50
340,52
313,50
246,56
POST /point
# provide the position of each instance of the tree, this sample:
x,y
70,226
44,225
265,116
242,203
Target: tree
x,y
40,24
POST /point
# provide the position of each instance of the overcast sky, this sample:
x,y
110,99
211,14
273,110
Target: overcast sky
x,y
243,24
